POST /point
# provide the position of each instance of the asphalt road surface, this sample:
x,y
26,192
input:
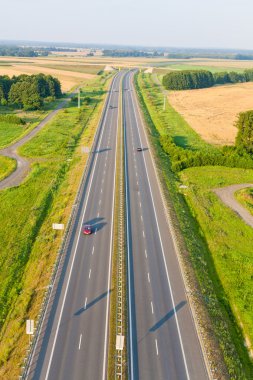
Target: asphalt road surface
x,y
163,343
73,341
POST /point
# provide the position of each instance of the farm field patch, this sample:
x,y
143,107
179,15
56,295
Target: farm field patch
x,y
212,112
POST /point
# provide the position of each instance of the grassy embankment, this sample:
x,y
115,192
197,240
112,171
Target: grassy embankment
x,y
245,197
28,244
7,166
216,242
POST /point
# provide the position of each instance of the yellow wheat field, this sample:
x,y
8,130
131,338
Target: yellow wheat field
x,y
212,112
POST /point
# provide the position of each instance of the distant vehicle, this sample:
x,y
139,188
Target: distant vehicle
x,y
87,230
111,107
139,149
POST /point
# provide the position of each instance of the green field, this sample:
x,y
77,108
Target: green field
x,y
28,244
87,69
245,197
7,166
218,241
213,69
229,239
11,132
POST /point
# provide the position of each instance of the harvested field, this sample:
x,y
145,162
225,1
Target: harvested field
x,y
212,112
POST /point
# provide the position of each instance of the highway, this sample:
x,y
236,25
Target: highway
x,y
162,339
163,343
73,341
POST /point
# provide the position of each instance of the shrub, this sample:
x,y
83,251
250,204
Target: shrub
x,y
12,119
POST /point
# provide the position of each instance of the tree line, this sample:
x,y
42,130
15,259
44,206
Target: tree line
x,y
18,51
130,53
193,79
28,91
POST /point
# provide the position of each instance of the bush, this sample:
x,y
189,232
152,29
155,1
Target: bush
x,y
183,158
12,119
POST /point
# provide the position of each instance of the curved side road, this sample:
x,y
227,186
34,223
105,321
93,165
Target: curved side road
x,y
23,164
226,194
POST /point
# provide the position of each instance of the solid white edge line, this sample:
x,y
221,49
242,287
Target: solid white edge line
x,y
75,250
161,243
111,248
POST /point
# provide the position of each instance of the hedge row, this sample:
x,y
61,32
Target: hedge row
x,y
228,156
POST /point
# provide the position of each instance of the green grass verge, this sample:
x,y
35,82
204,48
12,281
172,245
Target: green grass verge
x,y
7,166
28,244
245,197
205,253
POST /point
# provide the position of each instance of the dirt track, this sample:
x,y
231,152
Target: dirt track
x,y
226,194
23,164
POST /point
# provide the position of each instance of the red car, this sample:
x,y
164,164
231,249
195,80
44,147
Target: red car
x,y
87,230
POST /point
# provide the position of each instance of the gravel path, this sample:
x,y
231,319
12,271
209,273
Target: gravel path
x,y
226,194
23,164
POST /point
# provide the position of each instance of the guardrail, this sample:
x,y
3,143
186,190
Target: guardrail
x,y
63,247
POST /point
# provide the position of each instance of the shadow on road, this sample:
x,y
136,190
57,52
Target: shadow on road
x,y
96,224
92,303
169,315
102,150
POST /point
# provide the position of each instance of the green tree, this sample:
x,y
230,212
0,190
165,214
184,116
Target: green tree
x,y
244,138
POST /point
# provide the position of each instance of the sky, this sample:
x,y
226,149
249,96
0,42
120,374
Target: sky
x,y
168,23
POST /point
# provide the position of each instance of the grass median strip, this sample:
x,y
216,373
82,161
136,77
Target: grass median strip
x,y
118,310
28,244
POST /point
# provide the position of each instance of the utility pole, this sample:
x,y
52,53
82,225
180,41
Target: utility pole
x,y
79,100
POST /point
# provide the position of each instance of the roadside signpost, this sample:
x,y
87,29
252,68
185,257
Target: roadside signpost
x,y
57,226
29,328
